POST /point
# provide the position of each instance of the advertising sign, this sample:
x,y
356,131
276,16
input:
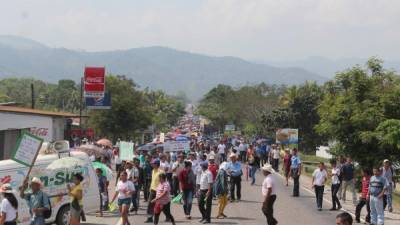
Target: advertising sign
x,y
287,136
94,81
126,150
176,146
229,127
99,102
27,148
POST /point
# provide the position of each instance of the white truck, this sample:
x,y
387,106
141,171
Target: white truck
x,y
54,184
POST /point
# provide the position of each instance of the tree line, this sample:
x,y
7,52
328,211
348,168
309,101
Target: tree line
x,y
133,109
358,111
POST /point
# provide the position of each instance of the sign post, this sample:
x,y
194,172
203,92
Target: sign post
x,y
94,80
27,150
126,150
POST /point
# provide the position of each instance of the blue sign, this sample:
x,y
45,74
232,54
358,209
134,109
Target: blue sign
x,y
99,103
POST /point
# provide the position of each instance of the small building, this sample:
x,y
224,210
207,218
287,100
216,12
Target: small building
x,y
50,126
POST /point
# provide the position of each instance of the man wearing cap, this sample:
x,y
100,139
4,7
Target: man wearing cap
x,y
268,191
235,171
388,173
37,200
155,181
205,193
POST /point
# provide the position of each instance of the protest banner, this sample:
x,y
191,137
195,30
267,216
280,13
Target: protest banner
x,y
27,150
176,146
287,136
126,150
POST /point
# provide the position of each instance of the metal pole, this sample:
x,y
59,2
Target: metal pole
x,y
32,96
81,104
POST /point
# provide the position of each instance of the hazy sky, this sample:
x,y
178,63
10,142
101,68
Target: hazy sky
x,y
252,29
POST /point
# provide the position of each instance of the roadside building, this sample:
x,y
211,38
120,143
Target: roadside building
x,y
50,126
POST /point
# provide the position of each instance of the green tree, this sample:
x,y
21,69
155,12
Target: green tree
x,y
361,115
128,114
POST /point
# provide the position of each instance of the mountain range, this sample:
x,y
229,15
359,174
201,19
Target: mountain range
x,y
155,67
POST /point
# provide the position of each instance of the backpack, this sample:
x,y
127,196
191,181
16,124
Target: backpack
x,y
46,213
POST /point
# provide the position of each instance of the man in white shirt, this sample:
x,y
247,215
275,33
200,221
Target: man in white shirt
x,y
242,151
222,152
268,191
205,195
318,181
275,155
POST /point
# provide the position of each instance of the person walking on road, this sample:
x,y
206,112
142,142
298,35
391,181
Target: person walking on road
x,y
103,190
388,173
335,186
187,182
124,191
76,195
177,168
254,163
286,165
155,181
9,206
221,152
235,171
221,189
366,176
205,195
162,201
295,172
377,188
269,194
348,180
37,200
147,171
275,155
319,177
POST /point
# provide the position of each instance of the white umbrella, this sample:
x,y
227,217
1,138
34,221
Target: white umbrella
x,y
66,163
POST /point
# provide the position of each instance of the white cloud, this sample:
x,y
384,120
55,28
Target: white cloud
x,y
263,29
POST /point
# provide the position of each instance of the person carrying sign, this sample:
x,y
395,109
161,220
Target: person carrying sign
x,y
37,200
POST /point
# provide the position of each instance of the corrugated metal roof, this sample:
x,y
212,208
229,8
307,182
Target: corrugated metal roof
x,y
13,109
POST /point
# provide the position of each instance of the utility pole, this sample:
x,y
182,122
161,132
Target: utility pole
x,y
32,96
81,104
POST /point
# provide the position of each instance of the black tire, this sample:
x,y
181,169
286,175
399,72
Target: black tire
x,y
63,216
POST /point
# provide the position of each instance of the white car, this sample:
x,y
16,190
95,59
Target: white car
x,y
54,184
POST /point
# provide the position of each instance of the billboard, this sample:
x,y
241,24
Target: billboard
x,y
287,136
94,81
230,127
176,146
99,102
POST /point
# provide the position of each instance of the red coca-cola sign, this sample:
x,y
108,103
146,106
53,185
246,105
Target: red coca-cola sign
x,y
94,81
42,132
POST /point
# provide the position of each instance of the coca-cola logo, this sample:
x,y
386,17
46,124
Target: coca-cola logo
x,y
40,131
94,80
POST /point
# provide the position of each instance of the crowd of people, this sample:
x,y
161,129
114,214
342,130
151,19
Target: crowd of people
x,y
377,185
211,172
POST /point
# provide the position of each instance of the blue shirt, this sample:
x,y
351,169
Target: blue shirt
x,y
235,168
37,200
376,185
295,162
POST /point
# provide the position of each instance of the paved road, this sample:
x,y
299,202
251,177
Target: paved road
x,y
288,210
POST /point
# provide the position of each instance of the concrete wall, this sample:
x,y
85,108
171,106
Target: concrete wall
x,y
41,126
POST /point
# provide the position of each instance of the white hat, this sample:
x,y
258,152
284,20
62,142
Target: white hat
x,y
386,160
211,157
37,181
268,168
232,155
6,188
